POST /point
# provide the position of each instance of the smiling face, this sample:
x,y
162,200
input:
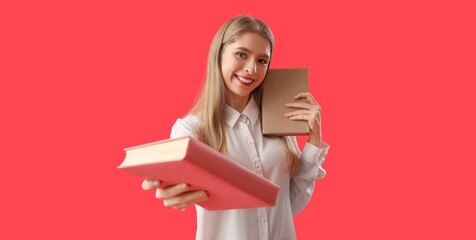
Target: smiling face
x,y
244,63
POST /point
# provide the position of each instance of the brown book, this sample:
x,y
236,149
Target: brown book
x,y
186,160
280,87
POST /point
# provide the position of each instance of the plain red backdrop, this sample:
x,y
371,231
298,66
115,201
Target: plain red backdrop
x,y
81,80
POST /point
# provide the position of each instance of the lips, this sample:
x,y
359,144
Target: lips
x,y
245,80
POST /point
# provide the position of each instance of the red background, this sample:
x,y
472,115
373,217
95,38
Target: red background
x,y
81,80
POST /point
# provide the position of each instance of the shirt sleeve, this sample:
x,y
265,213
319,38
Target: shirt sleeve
x,y
302,185
185,127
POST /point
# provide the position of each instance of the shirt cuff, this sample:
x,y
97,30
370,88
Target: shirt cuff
x,y
313,154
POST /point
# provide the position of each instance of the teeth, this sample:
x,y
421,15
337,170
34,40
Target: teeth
x,y
244,80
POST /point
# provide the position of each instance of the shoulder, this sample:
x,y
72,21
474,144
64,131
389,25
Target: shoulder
x,y
187,126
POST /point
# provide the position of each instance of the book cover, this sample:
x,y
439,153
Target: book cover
x,y
186,160
280,87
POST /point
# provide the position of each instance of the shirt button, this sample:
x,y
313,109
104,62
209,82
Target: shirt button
x,y
257,165
262,220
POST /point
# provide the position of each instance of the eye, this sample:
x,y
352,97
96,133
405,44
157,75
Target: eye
x,y
263,61
241,54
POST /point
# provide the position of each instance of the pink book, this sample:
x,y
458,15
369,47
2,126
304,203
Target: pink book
x,y
186,160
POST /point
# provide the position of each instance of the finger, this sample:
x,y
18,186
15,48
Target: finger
x,y
193,198
300,112
314,123
308,117
307,95
185,199
184,205
172,191
149,184
301,117
302,105
310,99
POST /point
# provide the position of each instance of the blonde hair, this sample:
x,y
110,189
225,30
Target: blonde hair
x,y
212,101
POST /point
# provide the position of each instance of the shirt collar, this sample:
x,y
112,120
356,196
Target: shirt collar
x,y
251,111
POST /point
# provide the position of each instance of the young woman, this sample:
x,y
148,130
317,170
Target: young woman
x,y
227,118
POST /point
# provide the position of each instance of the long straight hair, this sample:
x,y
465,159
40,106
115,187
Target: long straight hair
x,y
211,103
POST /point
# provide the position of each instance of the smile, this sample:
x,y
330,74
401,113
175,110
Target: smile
x,y
245,81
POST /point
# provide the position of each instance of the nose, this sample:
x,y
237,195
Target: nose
x,y
250,67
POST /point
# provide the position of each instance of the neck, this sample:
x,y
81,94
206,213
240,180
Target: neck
x,y
238,102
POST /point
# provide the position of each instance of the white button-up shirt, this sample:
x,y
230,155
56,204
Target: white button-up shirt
x,y
265,156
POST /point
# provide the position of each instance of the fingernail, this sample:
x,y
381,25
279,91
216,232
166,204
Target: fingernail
x,y
157,194
183,185
156,183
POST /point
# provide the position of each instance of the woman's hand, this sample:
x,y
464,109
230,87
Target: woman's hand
x,y
175,196
310,112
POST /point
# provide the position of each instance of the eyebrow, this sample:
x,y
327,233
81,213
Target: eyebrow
x,y
247,50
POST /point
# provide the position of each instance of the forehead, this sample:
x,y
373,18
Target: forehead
x,y
253,42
